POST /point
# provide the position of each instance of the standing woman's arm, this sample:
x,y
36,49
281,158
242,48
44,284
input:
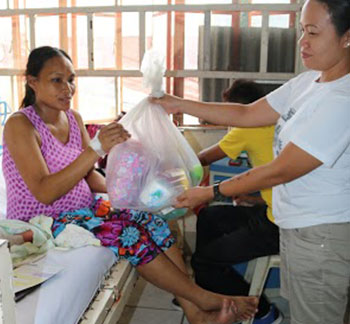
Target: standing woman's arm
x,y
292,163
258,113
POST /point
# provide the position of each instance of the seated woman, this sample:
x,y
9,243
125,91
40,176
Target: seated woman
x,y
48,164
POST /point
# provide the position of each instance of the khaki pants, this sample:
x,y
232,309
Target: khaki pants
x,y
315,273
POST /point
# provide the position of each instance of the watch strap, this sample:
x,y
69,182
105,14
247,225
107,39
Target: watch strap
x,y
218,196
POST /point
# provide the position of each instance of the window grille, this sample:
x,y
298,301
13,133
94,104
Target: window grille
x,y
112,76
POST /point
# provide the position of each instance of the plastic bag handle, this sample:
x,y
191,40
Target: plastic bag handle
x,y
153,69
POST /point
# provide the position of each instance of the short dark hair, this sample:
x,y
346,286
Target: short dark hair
x,y
36,60
339,11
242,91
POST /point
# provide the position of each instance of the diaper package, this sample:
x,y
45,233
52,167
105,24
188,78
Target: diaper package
x,y
127,169
148,171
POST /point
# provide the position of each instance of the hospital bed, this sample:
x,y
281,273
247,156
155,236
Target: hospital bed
x,y
91,287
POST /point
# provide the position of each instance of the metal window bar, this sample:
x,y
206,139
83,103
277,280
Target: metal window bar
x,y
143,8
90,37
142,34
264,42
206,54
32,30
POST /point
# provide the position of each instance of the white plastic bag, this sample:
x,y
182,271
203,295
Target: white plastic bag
x,y
148,171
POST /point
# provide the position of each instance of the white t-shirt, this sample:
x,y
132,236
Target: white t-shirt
x,y
316,118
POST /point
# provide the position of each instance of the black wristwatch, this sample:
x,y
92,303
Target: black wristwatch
x,y
218,196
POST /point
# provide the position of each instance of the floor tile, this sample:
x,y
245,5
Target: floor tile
x,y
147,295
140,315
151,305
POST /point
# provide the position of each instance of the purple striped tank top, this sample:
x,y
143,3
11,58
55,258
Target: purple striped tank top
x,y
21,204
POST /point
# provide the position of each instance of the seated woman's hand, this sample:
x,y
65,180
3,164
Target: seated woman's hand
x,y
194,197
112,134
171,104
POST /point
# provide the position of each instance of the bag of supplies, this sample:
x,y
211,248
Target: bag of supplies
x,y
148,171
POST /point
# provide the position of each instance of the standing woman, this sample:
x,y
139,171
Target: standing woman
x,y
311,169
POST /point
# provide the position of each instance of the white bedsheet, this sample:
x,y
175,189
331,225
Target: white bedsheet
x,y
65,297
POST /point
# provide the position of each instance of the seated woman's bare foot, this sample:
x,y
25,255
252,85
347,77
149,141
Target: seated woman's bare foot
x,y
233,309
226,315
245,307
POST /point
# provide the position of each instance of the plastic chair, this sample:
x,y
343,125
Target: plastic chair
x,y
256,275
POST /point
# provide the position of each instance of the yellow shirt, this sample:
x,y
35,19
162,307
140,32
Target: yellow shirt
x,y
257,142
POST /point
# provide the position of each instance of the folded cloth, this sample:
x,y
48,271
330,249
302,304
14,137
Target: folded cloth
x,y
74,236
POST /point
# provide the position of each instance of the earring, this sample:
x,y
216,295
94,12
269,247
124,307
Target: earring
x,y
347,44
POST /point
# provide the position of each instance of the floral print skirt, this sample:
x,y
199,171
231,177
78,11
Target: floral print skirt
x,y
134,235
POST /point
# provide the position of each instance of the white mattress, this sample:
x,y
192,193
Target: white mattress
x,y
65,297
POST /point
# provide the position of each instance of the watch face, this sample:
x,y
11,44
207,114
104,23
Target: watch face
x,y
218,196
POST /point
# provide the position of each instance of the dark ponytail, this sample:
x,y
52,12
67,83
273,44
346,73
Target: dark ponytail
x,y
36,60
29,98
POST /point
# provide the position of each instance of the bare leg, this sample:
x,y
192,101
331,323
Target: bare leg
x,y
192,312
165,274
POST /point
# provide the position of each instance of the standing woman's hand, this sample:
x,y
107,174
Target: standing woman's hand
x,y
194,197
112,134
171,104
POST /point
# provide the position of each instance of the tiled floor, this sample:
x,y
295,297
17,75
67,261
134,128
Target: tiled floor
x,y
150,305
